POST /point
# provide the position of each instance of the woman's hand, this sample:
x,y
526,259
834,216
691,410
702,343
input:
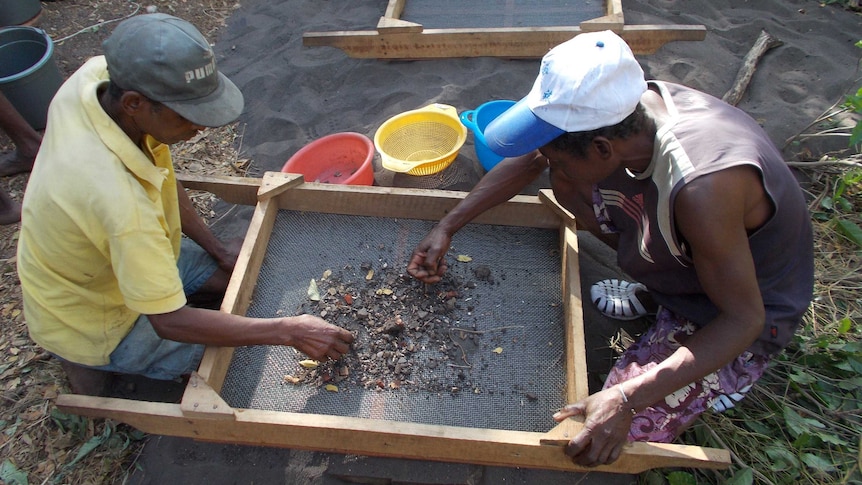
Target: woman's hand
x,y
427,263
607,420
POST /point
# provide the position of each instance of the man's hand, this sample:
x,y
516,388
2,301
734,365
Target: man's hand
x,y
427,263
606,428
317,339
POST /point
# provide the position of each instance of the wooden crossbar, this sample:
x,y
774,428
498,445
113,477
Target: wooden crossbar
x,y
396,38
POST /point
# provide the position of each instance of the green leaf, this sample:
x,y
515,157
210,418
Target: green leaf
x,y
797,425
802,378
833,438
802,441
741,477
651,477
86,448
782,458
853,384
849,230
681,478
852,364
840,187
758,427
817,463
73,423
856,134
92,444
843,204
855,176
11,475
844,325
853,348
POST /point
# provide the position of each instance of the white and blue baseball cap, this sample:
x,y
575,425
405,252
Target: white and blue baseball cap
x,y
586,83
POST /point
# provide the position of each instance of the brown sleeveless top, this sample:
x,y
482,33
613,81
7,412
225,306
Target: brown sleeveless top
x,y
705,135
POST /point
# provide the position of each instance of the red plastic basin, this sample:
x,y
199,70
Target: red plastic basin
x,y
340,158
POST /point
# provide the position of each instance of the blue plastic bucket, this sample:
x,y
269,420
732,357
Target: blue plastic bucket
x,y
476,120
28,75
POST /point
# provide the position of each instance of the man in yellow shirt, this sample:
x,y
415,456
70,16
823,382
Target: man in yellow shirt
x,y
104,269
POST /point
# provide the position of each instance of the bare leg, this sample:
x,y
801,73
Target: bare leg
x,y
10,211
90,382
211,293
26,139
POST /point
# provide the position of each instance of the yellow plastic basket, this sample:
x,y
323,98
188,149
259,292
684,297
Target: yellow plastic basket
x,y
422,141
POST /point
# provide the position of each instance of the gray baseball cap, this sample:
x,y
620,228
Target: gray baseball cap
x,y
168,60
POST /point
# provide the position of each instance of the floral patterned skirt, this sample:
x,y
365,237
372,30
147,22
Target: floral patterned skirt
x,y
666,419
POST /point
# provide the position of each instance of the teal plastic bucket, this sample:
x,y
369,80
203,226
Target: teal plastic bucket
x,y
476,120
28,74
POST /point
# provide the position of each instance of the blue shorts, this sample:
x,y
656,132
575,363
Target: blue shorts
x,y
142,351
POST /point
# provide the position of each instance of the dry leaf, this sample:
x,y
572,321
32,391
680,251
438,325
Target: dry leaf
x,y
313,292
13,383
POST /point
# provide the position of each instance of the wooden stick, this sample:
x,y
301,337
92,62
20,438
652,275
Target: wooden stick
x,y
764,42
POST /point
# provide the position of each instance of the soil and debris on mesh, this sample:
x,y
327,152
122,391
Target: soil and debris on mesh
x,y
409,335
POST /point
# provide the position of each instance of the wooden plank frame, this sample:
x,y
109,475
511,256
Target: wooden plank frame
x,y
395,38
204,415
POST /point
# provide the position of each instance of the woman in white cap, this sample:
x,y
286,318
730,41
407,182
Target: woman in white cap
x,y
693,196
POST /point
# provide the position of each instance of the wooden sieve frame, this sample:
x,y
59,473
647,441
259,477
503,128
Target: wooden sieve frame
x,y
204,415
400,39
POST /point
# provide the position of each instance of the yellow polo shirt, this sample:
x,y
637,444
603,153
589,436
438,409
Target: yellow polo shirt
x,y
100,229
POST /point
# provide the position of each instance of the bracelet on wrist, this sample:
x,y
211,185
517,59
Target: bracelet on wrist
x,y
626,400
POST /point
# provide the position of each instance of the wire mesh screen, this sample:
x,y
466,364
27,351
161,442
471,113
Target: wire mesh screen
x,y
443,14
483,348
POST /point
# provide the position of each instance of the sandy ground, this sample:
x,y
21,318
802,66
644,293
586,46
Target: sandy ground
x,y
296,94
